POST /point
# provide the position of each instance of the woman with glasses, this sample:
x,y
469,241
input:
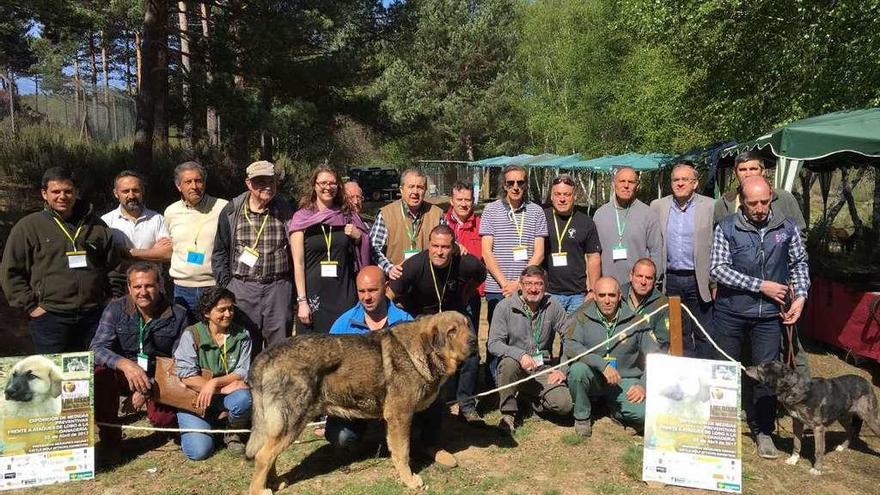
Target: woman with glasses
x,y
329,245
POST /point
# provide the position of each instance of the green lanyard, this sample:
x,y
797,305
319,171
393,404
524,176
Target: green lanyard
x,y
142,327
536,328
621,227
412,231
564,229
610,326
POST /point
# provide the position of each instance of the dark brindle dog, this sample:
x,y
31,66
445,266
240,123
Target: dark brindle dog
x,y
388,374
819,402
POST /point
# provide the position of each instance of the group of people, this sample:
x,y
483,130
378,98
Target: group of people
x,y
249,272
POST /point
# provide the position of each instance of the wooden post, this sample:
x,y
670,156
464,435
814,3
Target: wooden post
x,y
676,347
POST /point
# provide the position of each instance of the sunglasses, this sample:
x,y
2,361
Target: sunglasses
x,y
563,180
518,183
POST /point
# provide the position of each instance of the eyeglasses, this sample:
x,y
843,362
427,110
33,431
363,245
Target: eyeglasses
x,y
530,283
518,183
331,185
562,179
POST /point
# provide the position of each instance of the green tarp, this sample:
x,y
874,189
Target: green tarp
x,y
651,161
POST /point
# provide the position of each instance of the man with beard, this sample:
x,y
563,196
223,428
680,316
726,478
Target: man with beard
x,y
613,373
522,333
55,267
402,227
643,298
192,223
138,232
132,332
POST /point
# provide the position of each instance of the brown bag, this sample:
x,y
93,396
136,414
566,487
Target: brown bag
x,y
169,390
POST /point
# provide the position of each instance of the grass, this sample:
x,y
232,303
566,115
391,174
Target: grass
x,y
572,439
612,488
632,462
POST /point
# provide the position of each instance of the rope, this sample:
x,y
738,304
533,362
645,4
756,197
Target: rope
x,y
697,322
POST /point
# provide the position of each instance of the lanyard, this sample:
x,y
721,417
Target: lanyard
x,y
262,226
327,238
223,357
440,295
610,326
621,227
536,328
518,225
142,326
412,231
66,232
564,230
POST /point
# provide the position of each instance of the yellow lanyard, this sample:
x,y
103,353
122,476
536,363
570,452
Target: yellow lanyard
x,y
327,238
223,357
67,232
440,295
564,229
262,226
521,225
413,226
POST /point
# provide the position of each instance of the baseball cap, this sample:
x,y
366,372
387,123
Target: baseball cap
x,y
262,168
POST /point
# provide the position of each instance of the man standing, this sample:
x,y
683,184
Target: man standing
x,y
614,372
132,332
138,232
759,261
466,225
402,227
643,298
512,232
628,230
438,279
55,267
521,335
574,263
686,229
373,313
251,256
192,223
355,196
747,164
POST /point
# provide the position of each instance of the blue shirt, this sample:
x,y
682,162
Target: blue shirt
x,y
353,321
680,236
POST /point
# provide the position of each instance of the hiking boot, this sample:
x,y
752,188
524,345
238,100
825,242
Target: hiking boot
x,y
583,427
469,415
766,447
507,424
235,442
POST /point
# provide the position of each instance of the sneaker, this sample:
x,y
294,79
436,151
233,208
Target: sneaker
x,y
507,424
469,415
583,427
766,447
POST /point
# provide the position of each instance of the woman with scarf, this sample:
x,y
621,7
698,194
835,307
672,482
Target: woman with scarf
x,y
329,243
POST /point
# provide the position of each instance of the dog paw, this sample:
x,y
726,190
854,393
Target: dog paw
x,y
840,448
791,461
815,472
415,481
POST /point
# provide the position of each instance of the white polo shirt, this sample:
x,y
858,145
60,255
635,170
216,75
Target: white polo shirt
x,y
138,234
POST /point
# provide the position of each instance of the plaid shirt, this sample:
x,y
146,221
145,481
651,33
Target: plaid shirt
x,y
379,238
274,260
721,267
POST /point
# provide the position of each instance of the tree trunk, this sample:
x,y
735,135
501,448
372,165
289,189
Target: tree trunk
x,y
10,90
160,73
469,147
77,86
111,112
94,76
127,63
267,144
155,18
211,124
844,193
139,57
238,129
183,27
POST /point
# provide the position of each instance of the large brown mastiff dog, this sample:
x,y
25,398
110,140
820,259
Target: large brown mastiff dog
x,y
389,374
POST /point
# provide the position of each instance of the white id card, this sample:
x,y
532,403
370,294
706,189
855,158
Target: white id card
x,y
520,253
618,253
559,259
409,253
249,257
329,269
76,259
143,361
538,359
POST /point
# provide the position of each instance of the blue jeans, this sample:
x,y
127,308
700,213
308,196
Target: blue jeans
x,y
569,302
685,286
188,297
492,300
730,331
199,446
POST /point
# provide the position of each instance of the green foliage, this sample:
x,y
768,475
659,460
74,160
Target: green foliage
x,y
632,461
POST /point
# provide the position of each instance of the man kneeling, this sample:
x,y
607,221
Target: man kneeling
x,y
614,373
521,336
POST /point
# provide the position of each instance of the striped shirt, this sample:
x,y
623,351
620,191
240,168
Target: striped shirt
x,y
510,229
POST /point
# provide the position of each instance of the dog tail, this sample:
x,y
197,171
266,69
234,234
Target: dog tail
x,y
258,433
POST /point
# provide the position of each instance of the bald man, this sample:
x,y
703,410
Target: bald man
x,y
760,265
372,311
614,372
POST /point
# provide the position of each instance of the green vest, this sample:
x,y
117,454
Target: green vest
x,y
220,360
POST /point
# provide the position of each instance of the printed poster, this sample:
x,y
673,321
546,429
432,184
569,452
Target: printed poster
x,y
46,419
692,423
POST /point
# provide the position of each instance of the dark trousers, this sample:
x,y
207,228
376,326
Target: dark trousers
x,y
110,385
348,433
492,300
684,285
729,332
64,332
464,384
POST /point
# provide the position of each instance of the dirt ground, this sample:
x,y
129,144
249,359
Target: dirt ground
x,y
543,458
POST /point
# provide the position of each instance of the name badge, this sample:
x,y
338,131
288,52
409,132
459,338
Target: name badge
x,y
618,253
409,253
538,358
76,259
610,361
559,259
143,361
195,257
329,269
520,253
249,257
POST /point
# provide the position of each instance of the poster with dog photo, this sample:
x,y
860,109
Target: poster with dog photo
x,y
46,419
692,423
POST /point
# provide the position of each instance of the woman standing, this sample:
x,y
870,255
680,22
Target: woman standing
x,y
223,348
329,244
